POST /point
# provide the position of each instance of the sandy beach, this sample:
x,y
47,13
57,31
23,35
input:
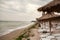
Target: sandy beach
x,y
14,34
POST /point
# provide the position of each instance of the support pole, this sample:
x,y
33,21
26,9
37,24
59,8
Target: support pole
x,y
50,25
43,13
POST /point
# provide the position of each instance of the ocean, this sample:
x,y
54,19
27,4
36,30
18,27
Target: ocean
x,y
6,26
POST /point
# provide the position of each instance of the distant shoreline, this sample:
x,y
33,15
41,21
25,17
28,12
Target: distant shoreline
x,y
14,21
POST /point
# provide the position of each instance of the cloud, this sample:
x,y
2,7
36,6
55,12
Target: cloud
x,y
12,5
39,2
20,10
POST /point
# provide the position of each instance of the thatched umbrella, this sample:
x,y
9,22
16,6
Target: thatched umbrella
x,y
53,6
49,18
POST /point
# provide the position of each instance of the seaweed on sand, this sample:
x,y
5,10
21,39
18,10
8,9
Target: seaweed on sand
x,y
23,36
26,34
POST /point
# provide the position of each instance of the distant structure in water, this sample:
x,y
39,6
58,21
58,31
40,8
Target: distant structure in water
x,y
49,20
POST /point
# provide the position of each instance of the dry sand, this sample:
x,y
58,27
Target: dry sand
x,y
36,34
13,35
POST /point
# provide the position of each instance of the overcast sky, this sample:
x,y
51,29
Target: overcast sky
x,y
20,10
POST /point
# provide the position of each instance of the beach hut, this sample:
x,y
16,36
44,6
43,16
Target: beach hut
x,y
49,19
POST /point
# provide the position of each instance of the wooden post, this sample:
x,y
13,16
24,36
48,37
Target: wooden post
x,y
43,13
50,25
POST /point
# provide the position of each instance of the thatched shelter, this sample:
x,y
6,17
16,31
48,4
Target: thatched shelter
x,y
48,17
53,6
49,20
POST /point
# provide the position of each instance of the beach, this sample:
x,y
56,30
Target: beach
x,y
13,34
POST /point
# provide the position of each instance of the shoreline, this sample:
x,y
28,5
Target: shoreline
x,y
11,30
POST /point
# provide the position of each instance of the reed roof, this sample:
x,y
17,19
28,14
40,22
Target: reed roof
x,y
51,6
48,17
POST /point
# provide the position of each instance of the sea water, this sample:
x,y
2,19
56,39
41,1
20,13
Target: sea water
x,y
7,26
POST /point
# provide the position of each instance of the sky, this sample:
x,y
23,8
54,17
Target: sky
x,y
20,10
